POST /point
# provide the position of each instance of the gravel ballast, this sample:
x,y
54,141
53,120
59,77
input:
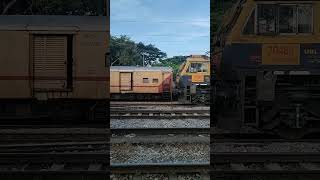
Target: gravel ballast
x,y
159,123
160,153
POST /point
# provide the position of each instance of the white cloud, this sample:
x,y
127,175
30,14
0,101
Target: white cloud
x,y
204,23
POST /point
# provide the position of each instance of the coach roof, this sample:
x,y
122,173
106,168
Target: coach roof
x,y
53,22
137,68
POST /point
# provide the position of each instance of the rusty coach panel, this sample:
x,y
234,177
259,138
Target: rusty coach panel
x,y
91,70
14,68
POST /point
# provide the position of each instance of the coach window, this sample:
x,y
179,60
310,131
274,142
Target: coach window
x,y
249,28
287,19
267,14
145,80
155,80
305,19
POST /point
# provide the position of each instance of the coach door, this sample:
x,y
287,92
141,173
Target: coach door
x,y
125,81
50,62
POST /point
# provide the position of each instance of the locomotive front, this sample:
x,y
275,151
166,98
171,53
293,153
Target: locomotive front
x,y
194,79
267,62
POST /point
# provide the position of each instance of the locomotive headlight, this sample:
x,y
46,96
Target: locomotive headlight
x,y
268,75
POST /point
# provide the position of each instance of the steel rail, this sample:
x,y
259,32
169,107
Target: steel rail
x,y
148,131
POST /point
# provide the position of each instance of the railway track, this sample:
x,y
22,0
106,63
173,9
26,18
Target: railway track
x,y
160,131
167,171
92,146
265,163
219,136
46,123
53,163
47,135
159,114
146,103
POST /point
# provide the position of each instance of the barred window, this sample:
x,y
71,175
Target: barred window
x,y
267,18
275,19
305,19
145,80
287,19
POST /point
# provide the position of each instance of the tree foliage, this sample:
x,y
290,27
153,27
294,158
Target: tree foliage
x,y
174,62
53,7
150,53
125,51
218,9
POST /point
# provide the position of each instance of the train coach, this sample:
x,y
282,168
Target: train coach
x,y
54,67
267,68
141,83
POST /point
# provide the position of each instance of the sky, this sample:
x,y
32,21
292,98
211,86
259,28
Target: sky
x,y
177,27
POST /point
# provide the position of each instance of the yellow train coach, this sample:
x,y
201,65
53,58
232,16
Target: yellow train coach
x,y
141,83
54,67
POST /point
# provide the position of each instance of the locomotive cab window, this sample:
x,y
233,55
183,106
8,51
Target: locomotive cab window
x,y
267,21
287,18
305,19
145,80
198,67
275,19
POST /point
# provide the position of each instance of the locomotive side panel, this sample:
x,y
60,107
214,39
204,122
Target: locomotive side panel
x,y
14,69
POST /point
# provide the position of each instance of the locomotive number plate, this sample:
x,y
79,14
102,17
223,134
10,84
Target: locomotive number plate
x,y
197,78
281,54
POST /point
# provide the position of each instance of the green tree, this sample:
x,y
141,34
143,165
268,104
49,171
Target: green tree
x,y
53,7
174,62
124,52
150,53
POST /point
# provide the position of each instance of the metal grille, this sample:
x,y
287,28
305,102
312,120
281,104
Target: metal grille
x,y
50,59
